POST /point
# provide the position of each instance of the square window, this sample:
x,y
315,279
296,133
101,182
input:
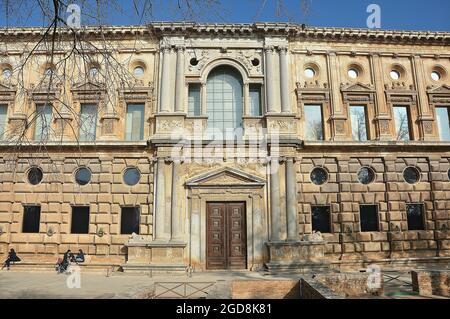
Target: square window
x,y
130,220
369,218
31,219
416,217
321,219
80,220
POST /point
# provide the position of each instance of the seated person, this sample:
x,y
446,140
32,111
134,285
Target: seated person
x,y
12,258
79,257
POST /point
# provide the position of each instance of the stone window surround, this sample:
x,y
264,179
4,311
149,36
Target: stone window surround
x,y
255,211
378,217
314,94
7,97
247,80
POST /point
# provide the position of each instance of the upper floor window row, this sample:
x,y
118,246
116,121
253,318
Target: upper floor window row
x,y
87,123
360,123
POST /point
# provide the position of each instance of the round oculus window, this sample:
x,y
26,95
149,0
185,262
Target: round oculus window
x,y
6,73
411,175
366,175
319,176
395,75
83,176
353,74
138,71
435,76
131,176
310,73
35,176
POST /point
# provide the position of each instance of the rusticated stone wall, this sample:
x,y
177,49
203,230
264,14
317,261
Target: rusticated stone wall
x,y
58,192
344,194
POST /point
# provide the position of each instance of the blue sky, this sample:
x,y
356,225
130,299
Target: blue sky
x,y
395,14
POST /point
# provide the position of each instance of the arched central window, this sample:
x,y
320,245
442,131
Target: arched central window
x,y
224,103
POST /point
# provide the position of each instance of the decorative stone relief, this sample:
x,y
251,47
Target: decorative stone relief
x,y
245,57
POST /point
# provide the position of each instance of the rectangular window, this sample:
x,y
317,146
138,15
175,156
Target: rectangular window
x,y
194,105
88,122
80,220
321,219
443,121
358,117
31,219
135,122
255,100
314,123
3,120
43,118
369,218
415,215
402,123
130,220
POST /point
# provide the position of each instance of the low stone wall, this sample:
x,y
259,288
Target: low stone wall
x,y
266,289
428,283
349,285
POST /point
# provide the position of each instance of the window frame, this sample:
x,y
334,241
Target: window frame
x,y
200,91
322,114
377,207
139,213
71,220
85,139
447,107
409,121
330,219
424,218
366,120
39,116
25,207
142,130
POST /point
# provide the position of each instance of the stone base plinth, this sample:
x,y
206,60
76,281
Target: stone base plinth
x,y
296,256
155,256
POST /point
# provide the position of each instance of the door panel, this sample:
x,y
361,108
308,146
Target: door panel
x,y
226,236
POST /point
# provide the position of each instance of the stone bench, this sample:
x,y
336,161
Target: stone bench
x,y
48,266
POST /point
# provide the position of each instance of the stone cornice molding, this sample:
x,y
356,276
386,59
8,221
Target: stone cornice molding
x,y
278,29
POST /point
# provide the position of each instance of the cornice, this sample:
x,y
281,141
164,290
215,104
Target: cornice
x,y
289,30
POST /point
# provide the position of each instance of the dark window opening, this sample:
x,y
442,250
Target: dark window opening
x,y
130,220
35,176
80,220
415,215
369,218
31,219
321,219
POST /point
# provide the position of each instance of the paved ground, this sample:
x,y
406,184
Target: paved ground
x,y
49,285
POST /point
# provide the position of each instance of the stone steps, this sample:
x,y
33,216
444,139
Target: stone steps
x,y
50,267
153,269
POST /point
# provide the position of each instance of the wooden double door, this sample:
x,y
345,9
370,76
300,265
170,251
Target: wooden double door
x,y
226,236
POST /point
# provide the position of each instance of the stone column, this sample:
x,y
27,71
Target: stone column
x,y
165,81
203,99
246,99
291,200
175,210
284,81
179,91
160,202
270,81
275,200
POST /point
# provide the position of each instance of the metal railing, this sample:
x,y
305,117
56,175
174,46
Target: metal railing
x,y
185,290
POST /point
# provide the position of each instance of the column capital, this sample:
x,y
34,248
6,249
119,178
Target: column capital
x,y
269,49
282,49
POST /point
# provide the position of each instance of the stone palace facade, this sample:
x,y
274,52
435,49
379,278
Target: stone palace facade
x,y
331,148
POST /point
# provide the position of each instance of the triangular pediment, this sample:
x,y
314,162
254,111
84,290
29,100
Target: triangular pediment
x,y
88,86
444,89
4,87
228,177
357,87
